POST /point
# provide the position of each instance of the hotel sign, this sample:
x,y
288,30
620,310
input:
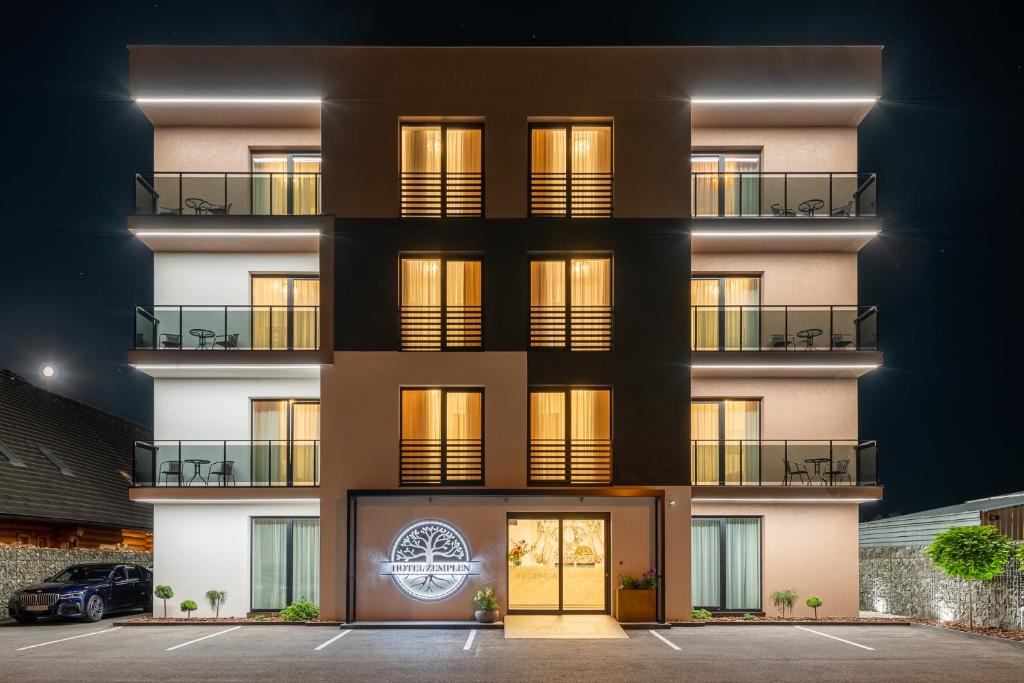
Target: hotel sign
x,y
429,560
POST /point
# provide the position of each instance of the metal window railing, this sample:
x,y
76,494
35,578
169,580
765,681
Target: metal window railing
x,y
227,328
573,195
569,462
441,462
437,328
435,194
229,193
756,194
577,328
226,463
784,328
741,462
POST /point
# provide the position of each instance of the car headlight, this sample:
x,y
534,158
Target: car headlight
x,y
74,595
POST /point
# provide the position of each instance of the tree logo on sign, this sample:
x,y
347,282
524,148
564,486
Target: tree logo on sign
x,y
429,560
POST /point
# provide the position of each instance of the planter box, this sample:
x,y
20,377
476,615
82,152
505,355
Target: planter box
x,y
636,605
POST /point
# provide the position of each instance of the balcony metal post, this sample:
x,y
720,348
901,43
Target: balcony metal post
x,y
181,198
831,327
785,328
760,463
225,202
831,465
223,464
785,194
785,463
181,328
830,193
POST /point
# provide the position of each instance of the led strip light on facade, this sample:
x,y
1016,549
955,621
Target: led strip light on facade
x,y
204,366
785,233
785,366
784,100
228,100
227,233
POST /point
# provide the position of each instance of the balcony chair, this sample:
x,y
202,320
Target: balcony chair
x,y
198,206
227,341
781,341
170,341
168,469
223,470
841,471
778,211
842,341
794,469
218,209
846,210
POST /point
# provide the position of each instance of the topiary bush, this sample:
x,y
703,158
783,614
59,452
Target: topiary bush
x,y
165,593
301,610
215,599
188,607
971,553
814,602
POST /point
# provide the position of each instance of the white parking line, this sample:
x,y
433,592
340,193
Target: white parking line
x,y
84,635
469,641
212,635
665,640
323,645
841,640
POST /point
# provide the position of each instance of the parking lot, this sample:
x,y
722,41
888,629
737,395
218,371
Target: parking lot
x,y
78,651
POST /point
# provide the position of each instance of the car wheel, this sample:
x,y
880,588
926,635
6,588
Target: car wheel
x,y
25,618
93,609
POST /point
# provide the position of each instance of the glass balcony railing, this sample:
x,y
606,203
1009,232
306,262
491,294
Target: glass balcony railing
x,y
227,194
783,328
226,463
733,462
227,328
754,194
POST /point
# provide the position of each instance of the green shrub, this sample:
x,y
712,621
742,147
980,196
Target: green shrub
x,y
646,581
971,553
260,617
747,616
215,599
783,599
165,593
301,610
485,600
188,606
814,602
700,614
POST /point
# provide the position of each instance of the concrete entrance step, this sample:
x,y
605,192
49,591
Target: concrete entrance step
x,y
564,626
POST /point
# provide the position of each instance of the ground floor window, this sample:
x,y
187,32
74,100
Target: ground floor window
x,y
726,563
285,561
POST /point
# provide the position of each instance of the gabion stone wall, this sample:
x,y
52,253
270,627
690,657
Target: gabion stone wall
x,y
903,581
23,566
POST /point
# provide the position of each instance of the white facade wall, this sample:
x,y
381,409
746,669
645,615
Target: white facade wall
x,y
219,279
217,409
201,547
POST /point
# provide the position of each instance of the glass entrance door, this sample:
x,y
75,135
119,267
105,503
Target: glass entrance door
x,y
558,563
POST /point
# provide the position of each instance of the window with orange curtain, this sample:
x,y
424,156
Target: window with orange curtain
x,y
285,183
585,324
441,437
729,184
726,441
571,169
285,312
283,428
725,313
441,170
432,321
570,436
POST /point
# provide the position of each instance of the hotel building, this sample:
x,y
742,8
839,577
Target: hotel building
x,y
430,319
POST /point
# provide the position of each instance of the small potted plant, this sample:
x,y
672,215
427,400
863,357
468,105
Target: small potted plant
x,y
636,597
486,606
518,551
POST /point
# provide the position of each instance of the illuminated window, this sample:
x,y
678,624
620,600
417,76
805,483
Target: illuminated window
x,y
726,313
570,436
442,437
571,169
727,183
441,303
285,313
571,303
442,170
285,183
726,441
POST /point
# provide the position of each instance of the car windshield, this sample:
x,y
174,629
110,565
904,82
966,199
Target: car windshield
x,y
83,573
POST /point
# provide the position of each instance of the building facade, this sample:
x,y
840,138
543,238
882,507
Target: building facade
x,y
430,319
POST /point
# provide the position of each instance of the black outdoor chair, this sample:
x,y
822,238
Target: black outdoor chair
x,y
223,470
170,341
198,205
777,210
841,471
168,469
227,341
794,469
842,341
844,210
781,341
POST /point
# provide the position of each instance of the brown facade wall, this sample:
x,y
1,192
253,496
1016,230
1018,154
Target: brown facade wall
x,y
223,149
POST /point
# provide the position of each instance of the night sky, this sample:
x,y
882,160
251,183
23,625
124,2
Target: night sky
x,y
945,141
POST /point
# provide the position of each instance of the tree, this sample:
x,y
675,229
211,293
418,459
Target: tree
x,y
814,602
215,599
189,606
971,553
165,593
783,599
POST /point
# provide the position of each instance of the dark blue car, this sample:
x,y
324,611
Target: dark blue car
x,y
85,591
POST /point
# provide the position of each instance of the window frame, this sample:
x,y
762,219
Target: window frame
x,y
290,154
292,401
721,153
445,126
566,390
289,564
444,257
723,558
445,390
567,126
291,277
567,258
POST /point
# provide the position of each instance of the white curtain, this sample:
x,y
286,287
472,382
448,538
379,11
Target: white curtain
x,y
742,433
743,563
705,563
306,559
269,563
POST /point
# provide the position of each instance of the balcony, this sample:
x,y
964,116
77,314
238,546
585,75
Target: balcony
x,y
573,328
226,464
784,328
441,462
788,463
569,462
227,194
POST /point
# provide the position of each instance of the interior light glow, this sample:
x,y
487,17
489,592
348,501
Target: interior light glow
x,y
785,233
228,100
783,100
227,233
786,366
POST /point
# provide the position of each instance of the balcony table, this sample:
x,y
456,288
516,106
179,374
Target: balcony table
x,y
817,462
203,335
808,336
197,463
810,206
